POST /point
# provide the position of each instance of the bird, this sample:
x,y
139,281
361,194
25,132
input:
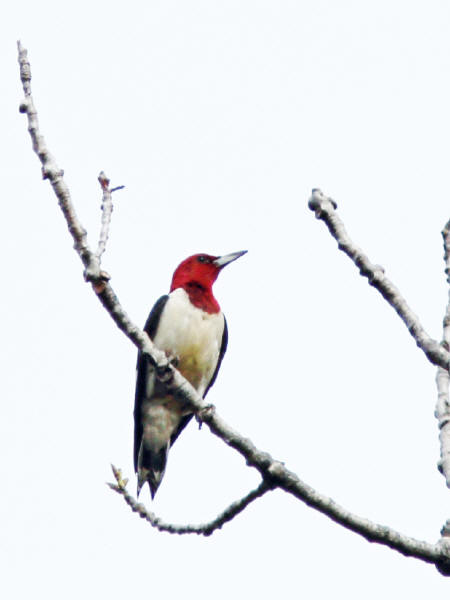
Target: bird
x,y
189,326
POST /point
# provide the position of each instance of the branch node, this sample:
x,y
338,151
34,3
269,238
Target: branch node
x,y
50,172
319,202
274,473
92,273
99,282
376,274
43,155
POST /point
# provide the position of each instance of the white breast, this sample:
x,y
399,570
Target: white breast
x,y
191,335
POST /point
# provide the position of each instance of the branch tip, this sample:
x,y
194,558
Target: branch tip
x,y
318,201
121,483
104,181
205,529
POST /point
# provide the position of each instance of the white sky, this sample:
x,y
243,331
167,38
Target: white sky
x,y
219,117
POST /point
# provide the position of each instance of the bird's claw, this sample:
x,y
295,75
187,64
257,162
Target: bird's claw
x,y
173,360
164,373
204,413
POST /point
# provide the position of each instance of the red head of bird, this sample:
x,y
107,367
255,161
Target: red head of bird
x,y
196,276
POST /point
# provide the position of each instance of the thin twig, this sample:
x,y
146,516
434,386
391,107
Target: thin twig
x,y
205,529
325,209
281,477
271,470
107,209
442,412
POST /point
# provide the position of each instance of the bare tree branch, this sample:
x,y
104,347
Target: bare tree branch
x,y
372,532
92,271
107,208
281,477
442,377
51,171
325,209
273,472
205,529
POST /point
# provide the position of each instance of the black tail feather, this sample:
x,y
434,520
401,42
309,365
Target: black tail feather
x,y
151,468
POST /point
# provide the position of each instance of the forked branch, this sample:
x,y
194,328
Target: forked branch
x,y
205,529
325,209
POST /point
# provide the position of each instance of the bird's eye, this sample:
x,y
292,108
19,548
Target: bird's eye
x,y
202,259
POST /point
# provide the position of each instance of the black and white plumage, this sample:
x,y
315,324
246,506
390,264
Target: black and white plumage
x,y
190,328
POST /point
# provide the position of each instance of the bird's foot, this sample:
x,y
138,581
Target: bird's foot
x,y
204,413
164,373
173,360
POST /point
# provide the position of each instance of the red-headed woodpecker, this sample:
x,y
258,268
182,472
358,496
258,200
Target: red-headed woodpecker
x,y
189,327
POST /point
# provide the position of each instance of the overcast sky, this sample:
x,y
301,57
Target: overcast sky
x,y
219,118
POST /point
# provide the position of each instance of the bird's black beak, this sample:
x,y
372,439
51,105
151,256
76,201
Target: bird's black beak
x,y
222,261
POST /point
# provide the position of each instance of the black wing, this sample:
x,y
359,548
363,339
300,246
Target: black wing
x,y
223,349
185,420
142,370
142,373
